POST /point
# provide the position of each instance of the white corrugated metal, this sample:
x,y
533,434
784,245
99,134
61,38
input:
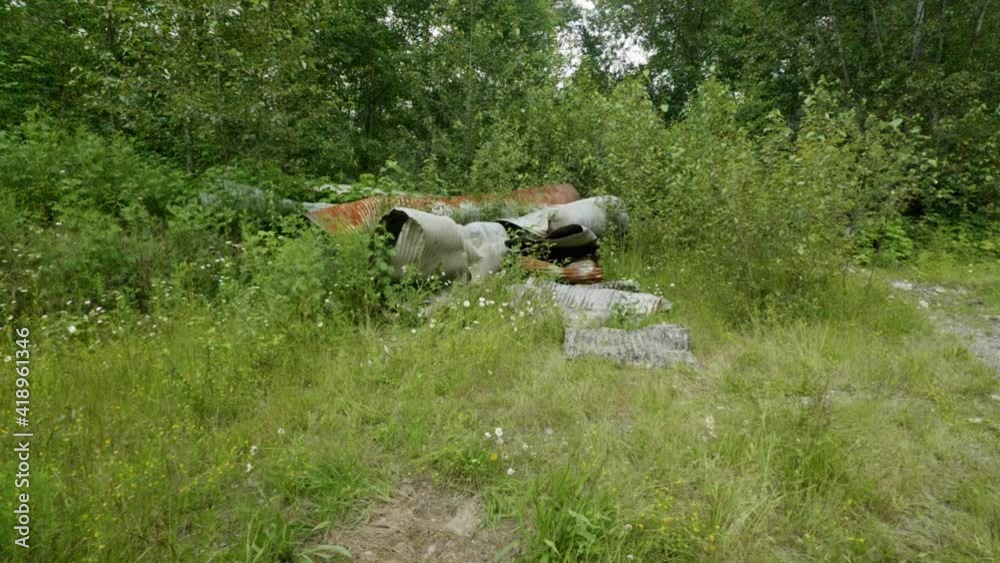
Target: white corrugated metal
x,y
656,346
581,303
429,244
485,247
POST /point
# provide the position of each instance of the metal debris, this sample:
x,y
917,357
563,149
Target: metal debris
x,y
586,304
431,245
655,346
621,285
570,231
349,216
580,272
595,215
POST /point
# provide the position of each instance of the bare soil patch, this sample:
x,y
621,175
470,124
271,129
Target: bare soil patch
x,y
421,522
982,334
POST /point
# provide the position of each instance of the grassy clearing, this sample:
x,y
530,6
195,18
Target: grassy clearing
x,y
214,433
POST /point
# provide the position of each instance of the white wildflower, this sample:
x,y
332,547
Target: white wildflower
x,y
253,450
7,359
510,471
249,467
710,425
281,432
466,303
71,329
499,432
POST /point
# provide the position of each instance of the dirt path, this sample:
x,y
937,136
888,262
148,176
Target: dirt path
x,y
982,332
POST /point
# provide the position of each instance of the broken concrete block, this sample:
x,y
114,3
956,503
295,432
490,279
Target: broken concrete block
x,y
656,346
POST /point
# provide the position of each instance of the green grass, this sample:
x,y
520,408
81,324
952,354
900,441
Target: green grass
x,y
222,434
980,278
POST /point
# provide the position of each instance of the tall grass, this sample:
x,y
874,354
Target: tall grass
x,y
221,432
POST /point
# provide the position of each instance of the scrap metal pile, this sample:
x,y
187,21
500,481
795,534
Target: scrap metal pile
x,y
560,237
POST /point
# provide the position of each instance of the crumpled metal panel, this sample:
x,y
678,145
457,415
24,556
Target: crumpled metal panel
x,y
535,223
597,214
349,216
485,248
656,346
582,304
594,214
430,244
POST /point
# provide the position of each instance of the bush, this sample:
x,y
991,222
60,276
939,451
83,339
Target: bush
x,y
46,167
772,219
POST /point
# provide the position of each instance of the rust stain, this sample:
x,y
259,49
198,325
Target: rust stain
x,y
581,272
349,216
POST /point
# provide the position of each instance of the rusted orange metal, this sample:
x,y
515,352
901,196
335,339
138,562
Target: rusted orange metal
x,y
581,272
349,216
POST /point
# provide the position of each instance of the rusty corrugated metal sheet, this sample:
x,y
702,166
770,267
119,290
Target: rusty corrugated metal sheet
x,y
581,272
347,216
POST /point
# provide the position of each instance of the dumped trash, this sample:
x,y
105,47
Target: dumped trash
x,y
595,215
621,285
429,244
655,346
432,244
348,216
592,305
583,306
568,231
580,272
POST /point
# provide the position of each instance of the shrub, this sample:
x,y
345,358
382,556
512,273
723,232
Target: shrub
x,y
772,219
45,167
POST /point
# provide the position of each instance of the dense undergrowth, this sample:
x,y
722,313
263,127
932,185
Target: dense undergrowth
x,y
773,217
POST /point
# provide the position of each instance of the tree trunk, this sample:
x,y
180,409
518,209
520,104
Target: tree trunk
x,y
940,51
878,32
840,45
979,27
918,33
